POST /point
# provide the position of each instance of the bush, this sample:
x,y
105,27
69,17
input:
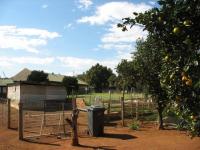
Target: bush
x,y
135,125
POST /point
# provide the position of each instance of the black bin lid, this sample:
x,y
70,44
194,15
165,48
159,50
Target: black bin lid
x,y
96,108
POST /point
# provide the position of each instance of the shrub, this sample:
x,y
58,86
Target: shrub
x,y
134,125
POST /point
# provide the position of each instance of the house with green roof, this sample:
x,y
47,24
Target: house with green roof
x,y
33,93
23,76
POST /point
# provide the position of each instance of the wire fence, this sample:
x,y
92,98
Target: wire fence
x,y
3,113
52,120
51,117
130,109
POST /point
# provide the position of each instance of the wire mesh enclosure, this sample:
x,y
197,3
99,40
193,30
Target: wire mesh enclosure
x,y
50,119
132,108
3,113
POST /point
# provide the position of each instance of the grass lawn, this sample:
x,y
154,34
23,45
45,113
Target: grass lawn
x,y
89,98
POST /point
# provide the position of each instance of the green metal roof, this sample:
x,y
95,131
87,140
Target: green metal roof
x,y
5,81
22,75
55,77
59,78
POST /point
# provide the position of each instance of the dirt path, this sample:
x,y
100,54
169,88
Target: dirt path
x,y
147,138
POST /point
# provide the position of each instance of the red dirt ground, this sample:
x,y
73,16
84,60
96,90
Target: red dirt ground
x,y
116,138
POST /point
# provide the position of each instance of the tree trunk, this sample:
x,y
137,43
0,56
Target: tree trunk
x,y
160,126
74,123
74,128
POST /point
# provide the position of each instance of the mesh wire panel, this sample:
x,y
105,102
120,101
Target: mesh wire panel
x,y
50,119
3,113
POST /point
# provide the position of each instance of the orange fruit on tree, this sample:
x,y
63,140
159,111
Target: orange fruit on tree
x,y
166,58
176,30
189,82
184,78
187,23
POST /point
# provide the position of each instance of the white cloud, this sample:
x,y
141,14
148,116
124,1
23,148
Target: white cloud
x,y
115,34
11,61
113,11
110,14
28,39
111,46
85,3
124,55
122,42
44,6
83,64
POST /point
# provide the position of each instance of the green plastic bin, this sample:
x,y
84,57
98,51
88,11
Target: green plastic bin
x,y
96,120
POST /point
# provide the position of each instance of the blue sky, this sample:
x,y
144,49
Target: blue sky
x,y
66,36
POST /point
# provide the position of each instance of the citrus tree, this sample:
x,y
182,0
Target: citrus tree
x,y
175,23
148,62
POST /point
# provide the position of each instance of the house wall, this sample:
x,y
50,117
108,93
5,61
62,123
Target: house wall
x,y
33,95
55,92
13,93
83,89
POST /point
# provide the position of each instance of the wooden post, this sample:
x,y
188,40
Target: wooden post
x,y
63,109
109,101
74,123
122,110
44,103
136,110
90,99
131,102
20,121
9,109
132,107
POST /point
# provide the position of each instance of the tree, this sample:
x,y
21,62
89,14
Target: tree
x,y
148,62
82,76
126,74
175,24
97,76
70,83
38,76
112,81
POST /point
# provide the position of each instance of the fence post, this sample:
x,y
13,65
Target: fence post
x,y
63,111
90,101
131,107
122,110
75,112
109,101
20,121
9,109
136,110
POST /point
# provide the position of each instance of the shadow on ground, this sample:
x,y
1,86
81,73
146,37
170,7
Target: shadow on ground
x,y
119,136
98,147
37,141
